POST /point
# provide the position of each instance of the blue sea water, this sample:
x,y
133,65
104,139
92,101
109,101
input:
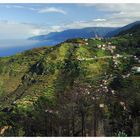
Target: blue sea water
x,y
11,47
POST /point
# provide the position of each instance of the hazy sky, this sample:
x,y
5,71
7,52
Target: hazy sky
x,y
18,21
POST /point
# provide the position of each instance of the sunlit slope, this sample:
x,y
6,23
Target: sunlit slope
x,y
25,76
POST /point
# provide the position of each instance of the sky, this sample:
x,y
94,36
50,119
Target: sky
x,y
21,21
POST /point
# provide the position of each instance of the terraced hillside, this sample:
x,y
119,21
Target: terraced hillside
x,y
82,87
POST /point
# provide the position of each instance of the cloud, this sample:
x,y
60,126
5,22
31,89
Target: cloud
x,y
118,7
14,6
38,10
52,10
90,23
21,7
113,15
98,19
118,14
14,30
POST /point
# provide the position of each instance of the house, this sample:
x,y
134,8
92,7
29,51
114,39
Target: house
x,y
103,48
122,103
99,46
112,51
114,57
117,55
136,69
113,47
101,105
86,39
113,92
14,103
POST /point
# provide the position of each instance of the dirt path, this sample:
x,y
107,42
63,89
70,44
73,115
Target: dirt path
x,y
103,57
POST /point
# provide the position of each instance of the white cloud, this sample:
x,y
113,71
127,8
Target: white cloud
x,y
8,6
51,10
13,30
38,10
118,7
98,19
115,15
118,14
90,23
13,6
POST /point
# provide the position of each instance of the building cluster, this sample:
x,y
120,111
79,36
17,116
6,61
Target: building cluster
x,y
107,46
136,68
115,60
103,87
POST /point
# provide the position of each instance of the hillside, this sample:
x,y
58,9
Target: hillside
x,y
81,87
134,31
122,29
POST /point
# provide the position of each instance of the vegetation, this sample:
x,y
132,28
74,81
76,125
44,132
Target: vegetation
x,y
81,87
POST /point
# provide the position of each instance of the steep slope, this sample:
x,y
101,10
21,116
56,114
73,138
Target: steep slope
x,y
133,31
125,28
14,68
82,87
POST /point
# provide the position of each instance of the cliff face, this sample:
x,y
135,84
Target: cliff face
x,y
82,87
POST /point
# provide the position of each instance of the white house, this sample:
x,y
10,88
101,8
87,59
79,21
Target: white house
x,y
99,46
101,105
117,55
136,69
86,39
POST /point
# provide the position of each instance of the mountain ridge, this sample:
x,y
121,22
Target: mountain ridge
x,y
76,33
121,29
